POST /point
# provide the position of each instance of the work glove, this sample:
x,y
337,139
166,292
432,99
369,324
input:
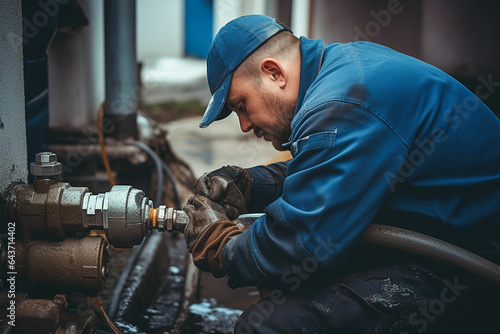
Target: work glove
x,y
229,186
207,232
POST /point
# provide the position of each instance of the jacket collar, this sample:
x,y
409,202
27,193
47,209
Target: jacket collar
x,y
311,57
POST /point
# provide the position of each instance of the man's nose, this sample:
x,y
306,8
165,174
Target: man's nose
x,y
245,123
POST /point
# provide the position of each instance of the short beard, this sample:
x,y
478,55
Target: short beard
x,y
283,112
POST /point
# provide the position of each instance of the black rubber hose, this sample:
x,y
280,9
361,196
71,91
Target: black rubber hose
x,y
158,165
432,248
170,176
419,244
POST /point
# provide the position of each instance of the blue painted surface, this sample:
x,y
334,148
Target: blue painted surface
x,y
198,27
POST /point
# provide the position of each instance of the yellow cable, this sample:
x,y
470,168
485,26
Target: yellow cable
x,y
100,117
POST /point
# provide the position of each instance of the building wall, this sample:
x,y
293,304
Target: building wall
x,y
160,28
226,10
76,71
396,24
461,37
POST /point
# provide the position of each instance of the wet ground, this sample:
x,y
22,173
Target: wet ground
x,y
184,301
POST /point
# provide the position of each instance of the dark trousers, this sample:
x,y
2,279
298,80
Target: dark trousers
x,y
411,296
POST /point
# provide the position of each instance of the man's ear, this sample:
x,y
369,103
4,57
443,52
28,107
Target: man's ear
x,y
274,70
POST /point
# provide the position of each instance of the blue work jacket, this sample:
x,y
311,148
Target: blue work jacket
x,y
377,136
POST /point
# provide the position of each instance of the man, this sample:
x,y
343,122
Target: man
x,y
376,137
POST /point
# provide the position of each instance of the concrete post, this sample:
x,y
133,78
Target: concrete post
x,y
13,158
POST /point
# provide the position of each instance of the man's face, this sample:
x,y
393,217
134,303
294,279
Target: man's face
x,y
265,110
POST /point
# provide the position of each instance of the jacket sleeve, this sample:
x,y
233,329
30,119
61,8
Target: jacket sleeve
x,y
267,185
344,161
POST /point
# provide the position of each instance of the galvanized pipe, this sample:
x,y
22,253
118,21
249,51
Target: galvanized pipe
x,y
121,67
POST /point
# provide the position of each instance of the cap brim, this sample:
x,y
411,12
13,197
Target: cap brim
x,y
217,109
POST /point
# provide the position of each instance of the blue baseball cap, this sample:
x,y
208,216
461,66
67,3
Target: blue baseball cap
x,y
231,46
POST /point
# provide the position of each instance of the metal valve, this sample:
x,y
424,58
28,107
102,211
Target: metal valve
x,y
126,215
57,210
54,246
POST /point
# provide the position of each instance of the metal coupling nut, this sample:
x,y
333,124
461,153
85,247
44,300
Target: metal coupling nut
x,y
170,219
95,210
160,218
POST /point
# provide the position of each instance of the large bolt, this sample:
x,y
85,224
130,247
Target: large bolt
x,y
46,165
43,157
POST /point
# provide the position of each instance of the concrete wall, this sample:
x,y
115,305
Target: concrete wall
x,y
12,120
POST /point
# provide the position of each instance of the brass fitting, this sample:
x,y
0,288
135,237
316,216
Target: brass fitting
x,y
47,209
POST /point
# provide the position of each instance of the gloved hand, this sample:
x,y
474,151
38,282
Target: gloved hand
x,y
229,186
207,232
